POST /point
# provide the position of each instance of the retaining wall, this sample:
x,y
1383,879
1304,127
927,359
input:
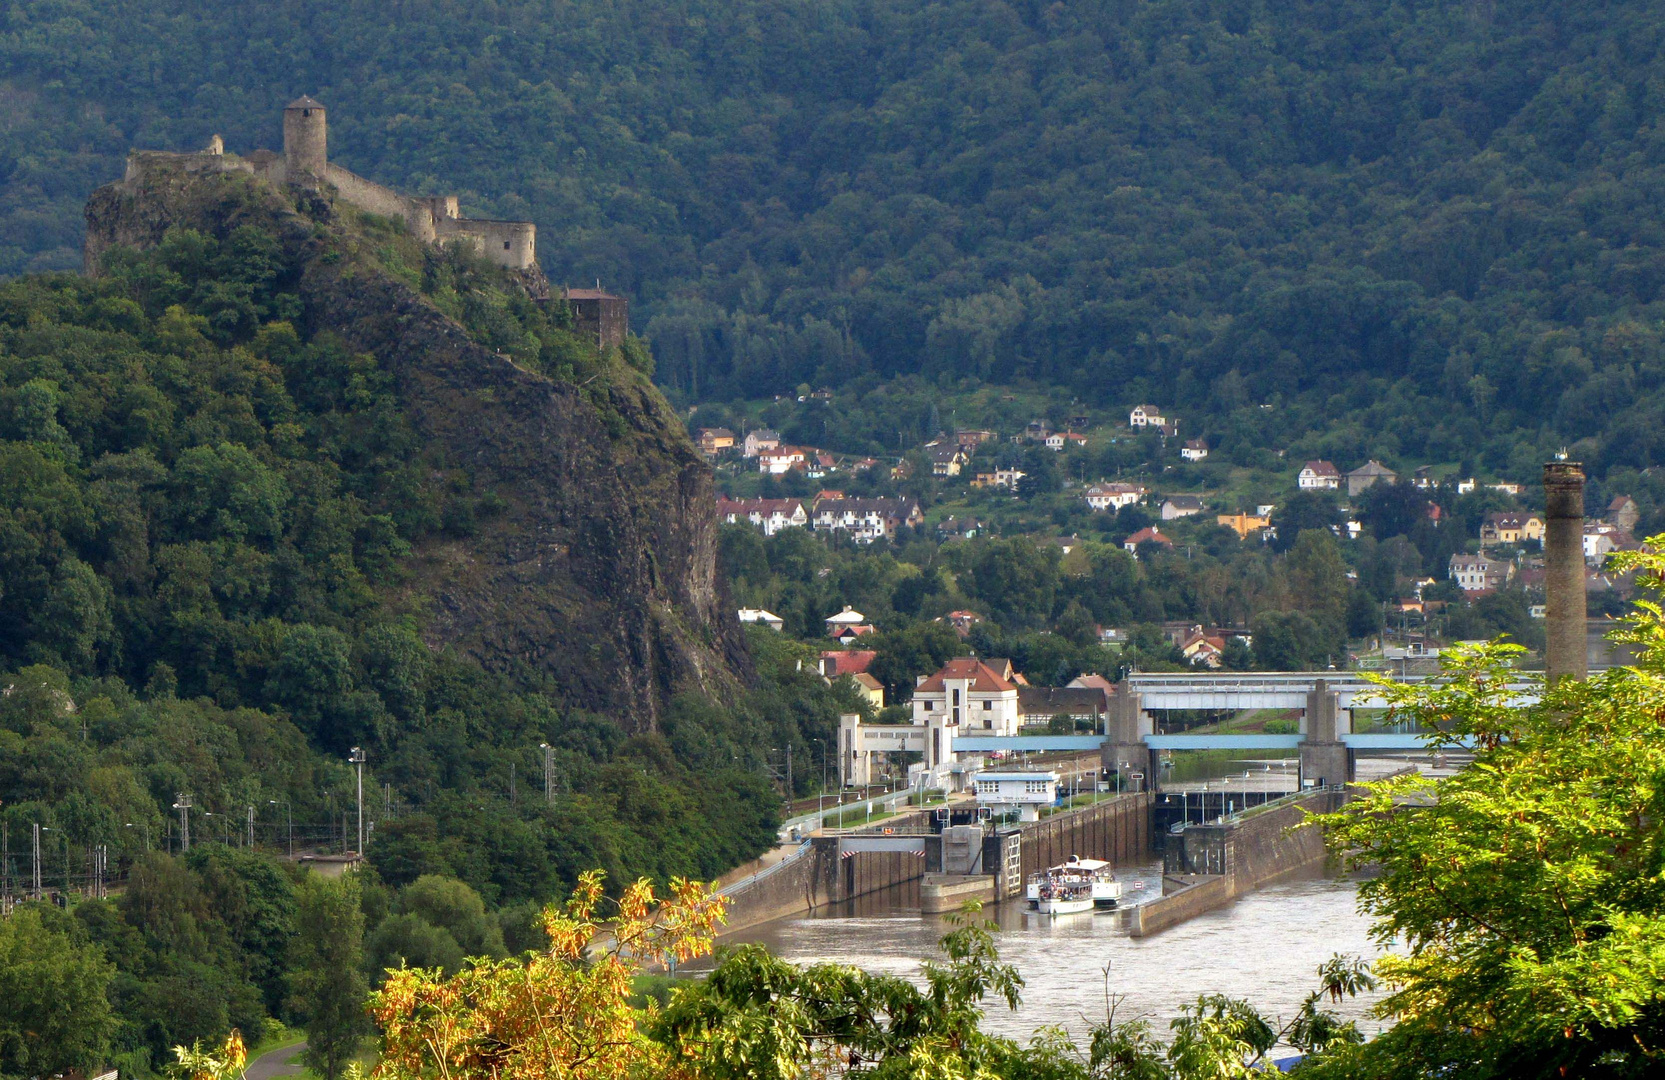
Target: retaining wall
x,y
1182,898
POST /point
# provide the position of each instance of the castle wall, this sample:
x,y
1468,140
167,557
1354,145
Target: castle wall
x,y
417,214
507,243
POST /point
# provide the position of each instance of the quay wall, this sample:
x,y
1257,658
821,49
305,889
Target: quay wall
x,y
1116,830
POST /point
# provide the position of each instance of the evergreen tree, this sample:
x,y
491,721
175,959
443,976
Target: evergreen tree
x,y
326,983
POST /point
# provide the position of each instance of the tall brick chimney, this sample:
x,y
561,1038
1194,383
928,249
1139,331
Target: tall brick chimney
x,y
1566,653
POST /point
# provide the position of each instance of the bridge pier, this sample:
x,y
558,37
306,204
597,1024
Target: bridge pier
x,y
1325,759
1126,726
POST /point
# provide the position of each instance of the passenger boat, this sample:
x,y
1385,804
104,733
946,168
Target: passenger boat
x,y
1106,890
1065,898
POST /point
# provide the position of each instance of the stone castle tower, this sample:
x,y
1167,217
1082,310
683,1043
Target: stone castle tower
x,y
305,138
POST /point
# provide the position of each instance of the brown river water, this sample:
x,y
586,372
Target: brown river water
x,y
1264,948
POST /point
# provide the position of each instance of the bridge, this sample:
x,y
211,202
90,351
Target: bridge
x,y
1329,703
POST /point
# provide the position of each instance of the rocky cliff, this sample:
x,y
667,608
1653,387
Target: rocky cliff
x,y
597,575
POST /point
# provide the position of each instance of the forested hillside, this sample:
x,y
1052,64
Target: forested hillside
x,y
231,509
1439,217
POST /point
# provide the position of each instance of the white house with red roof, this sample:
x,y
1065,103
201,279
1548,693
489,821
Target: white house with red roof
x,y
968,695
1318,476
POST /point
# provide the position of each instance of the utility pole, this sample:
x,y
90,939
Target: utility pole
x,y
357,759
36,866
182,803
548,772
251,826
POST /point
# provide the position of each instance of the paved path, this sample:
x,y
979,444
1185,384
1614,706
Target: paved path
x,y
280,1062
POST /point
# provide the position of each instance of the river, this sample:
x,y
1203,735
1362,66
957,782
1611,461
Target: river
x,y
1264,948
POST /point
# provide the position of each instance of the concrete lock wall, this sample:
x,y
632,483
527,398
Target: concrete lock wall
x,y
1117,830
1208,866
804,881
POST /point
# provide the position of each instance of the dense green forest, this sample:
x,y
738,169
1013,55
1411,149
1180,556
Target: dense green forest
x,y
1429,229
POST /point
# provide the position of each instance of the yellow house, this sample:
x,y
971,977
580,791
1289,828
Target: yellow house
x,y
1243,524
1508,527
871,689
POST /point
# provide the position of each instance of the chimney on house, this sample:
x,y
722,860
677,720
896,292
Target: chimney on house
x,y
1566,653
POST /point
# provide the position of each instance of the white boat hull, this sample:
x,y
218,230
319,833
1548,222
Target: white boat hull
x,y
1068,905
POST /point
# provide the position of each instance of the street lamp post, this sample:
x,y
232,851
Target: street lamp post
x,y
357,758
35,865
145,826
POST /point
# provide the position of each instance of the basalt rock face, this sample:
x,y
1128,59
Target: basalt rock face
x,y
599,574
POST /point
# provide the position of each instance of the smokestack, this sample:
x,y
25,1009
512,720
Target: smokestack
x,y
1567,652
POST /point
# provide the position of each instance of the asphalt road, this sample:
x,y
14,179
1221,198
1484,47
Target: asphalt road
x,y
280,1062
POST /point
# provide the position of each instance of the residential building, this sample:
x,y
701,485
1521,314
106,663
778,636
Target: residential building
x,y
1243,524
957,528
1055,441
1318,476
1039,704
867,520
1108,496
818,463
966,693
1037,431
836,662
1505,486
1146,536
870,688
1170,430
1181,506
714,440
1365,476
770,515
946,460
1478,573
848,626
1194,450
1601,539
1200,647
1511,527
759,440
1002,478
1623,513
765,618
961,621
970,438
782,459
1145,416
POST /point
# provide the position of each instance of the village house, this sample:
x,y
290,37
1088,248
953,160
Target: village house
x,y
1243,524
1505,486
971,438
1318,476
1511,527
759,440
1113,496
715,440
1602,539
852,664
961,621
1194,450
770,515
782,460
957,528
1181,506
847,626
946,460
762,617
1037,431
1199,647
1365,476
1623,513
1001,478
1478,573
968,694
867,520
1145,416
1146,536
1037,705
818,463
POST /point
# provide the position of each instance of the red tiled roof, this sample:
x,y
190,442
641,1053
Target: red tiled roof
x,y
848,661
965,667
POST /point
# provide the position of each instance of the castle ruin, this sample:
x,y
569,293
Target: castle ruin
x,y
434,219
